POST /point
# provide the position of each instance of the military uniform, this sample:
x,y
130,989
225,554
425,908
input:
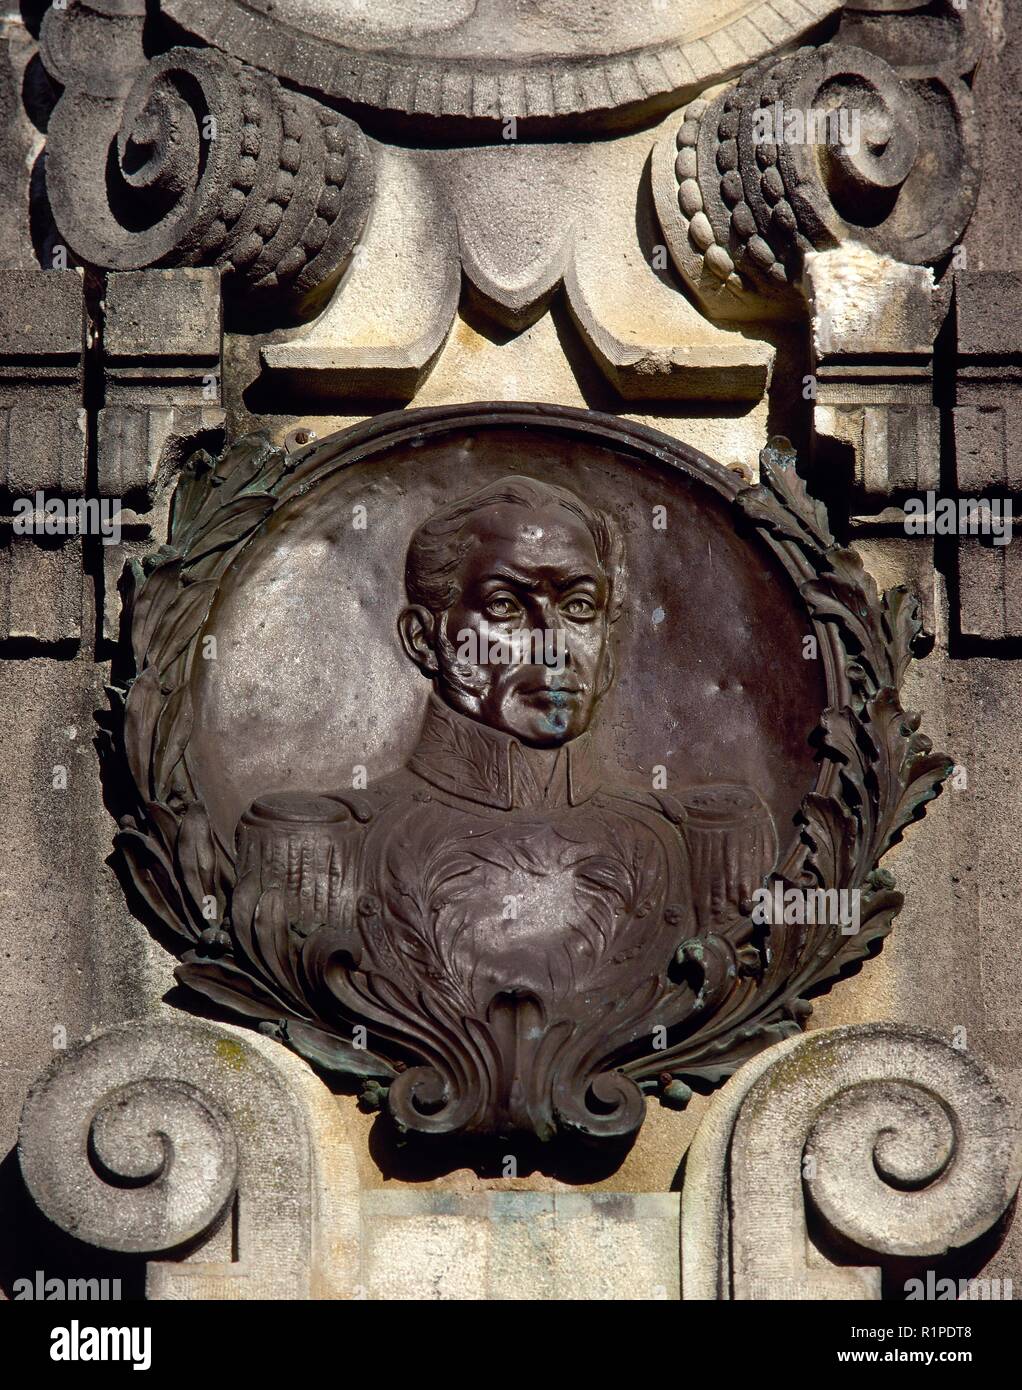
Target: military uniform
x,y
491,867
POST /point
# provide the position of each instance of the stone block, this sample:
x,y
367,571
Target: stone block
x,y
520,1245
163,314
41,591
987,313
42,314
986,455
42,446
989,590
863,303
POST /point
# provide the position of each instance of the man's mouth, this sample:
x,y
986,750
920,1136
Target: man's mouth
x,y
558,694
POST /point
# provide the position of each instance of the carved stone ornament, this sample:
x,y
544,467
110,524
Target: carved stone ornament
x,y
234,155
895,164
194,158
878,1138
504,888
162,1137
552,60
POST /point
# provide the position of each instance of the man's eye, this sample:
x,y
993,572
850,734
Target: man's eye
x,y
579,607
501,607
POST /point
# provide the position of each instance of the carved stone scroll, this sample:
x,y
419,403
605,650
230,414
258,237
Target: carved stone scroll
x,y
895,1142
195,159
875,144
161,1138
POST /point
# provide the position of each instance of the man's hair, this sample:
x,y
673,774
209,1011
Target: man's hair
x,y
441,543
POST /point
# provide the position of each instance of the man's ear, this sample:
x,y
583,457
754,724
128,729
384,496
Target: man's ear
x,y
417,629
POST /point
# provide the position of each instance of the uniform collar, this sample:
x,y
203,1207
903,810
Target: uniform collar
x,y
469,759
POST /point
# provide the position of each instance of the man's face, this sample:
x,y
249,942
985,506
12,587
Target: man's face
x,y
524,647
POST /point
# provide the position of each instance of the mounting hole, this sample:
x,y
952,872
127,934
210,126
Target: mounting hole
x,y
299,439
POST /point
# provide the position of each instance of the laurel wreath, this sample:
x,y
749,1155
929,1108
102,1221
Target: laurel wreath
x,y
877,774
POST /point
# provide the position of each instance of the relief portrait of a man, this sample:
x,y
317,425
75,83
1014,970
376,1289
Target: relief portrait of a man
x,y
503,874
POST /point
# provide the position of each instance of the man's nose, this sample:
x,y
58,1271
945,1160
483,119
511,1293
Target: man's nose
x,y
556,646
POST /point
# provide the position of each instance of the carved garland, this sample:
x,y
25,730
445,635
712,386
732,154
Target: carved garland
x,y
877,773
895,163
193,158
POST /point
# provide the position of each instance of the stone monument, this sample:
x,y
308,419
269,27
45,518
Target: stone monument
x,y
503,510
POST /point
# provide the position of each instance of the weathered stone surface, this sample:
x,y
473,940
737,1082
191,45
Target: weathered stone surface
x,y
515,271
520,1245
791,160
141,446
873,322
988,389
986,313
20,121
645,335
522,220
902,1143
82,961
42,418
895,445
383,329
552,61
162,338
163,313
986,459
42,448
991,240
41,591
42,315
149,1135
989,590
864,304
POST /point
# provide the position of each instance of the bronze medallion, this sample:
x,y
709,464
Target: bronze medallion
x,y
465,742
